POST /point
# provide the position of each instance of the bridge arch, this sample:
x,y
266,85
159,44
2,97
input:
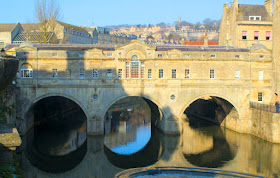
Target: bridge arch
x,y
219,99
33,102
145,97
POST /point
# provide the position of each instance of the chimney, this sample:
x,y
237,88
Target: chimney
x,y
206,40
269,7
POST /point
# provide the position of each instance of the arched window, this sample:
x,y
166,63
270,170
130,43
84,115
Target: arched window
x,y
134,67
26,71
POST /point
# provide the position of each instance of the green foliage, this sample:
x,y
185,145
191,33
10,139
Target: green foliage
x,y
11,170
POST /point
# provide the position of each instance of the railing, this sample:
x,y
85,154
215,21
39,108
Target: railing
x,y
263,107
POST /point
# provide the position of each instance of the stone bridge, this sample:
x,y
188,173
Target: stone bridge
x,y
169,77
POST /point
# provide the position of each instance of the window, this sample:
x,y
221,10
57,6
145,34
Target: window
x,y
82,73
260,96
187,73
95,73
260,75
54,73
109,74
212,73
258,18
127,70
212,55
268,35
159,55
26,71
142,69
255,18
261,56
149,73
120,74
187,56
256,35
173,73
237,56
109,54
134,67
54,54
244,35
160,75
251,18
1,42
237,73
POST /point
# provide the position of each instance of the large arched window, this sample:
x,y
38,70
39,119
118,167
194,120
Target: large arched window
x,y
134,67
26,71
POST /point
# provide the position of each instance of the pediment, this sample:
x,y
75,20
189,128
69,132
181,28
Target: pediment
x,y
135,47
261,51
95,50
26,48
174,51
136,44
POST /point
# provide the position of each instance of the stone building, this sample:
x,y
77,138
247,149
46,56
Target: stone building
x,y
8,32
244,25
95,77
102,36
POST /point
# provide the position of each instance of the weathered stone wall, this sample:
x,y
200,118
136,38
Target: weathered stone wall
x,y
266,125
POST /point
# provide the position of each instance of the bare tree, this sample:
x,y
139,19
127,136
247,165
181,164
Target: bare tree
x,y
46,12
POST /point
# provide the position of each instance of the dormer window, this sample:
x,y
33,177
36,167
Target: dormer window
x,y
258,18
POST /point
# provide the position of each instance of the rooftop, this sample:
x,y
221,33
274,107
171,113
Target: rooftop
x,y
8,27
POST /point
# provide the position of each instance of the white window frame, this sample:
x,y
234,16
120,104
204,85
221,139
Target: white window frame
x,y
82,73
173,76
95,73
187,56
26,73
260,96
260,75
149,73
109,74
187,73
119,73
160,73
237,75
212,73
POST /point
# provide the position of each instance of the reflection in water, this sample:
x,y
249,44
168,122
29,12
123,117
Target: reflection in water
x,y
131,141
128,126
206,147
58,138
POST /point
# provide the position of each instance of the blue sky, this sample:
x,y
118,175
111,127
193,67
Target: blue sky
x,y
116,12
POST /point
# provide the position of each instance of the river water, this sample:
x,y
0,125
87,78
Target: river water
x,y
130,140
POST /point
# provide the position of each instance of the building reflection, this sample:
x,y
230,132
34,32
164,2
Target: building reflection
x,y
128,126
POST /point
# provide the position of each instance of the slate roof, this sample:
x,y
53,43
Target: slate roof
x,y
245,10
73,27
81,47
8,27
31,26
199,48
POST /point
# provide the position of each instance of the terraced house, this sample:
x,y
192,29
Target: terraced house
x,y
243,25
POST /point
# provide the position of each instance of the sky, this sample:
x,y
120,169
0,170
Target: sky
x,y
117,12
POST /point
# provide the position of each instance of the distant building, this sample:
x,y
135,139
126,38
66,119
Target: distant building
x,y
101,35
243,25
8,32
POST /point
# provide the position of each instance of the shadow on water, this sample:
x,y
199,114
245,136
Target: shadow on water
x,y
216,156
203,118
57,142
